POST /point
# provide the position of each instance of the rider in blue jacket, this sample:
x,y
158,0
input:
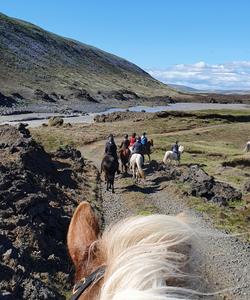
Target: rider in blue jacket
x,y
144,139
138,147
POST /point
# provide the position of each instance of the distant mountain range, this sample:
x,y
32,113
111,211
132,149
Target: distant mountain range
x,y
187,89
41,67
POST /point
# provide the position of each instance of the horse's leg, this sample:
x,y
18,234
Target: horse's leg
x,y
133,168
112,185
107,188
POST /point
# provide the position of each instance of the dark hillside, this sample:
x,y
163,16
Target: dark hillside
x,y
39,66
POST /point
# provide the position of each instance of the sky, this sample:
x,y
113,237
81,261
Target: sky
x,y
198,43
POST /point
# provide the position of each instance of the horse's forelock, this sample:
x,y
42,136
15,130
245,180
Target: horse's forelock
x,y
142,254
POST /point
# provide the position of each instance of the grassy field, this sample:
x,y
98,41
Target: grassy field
x,y
213,143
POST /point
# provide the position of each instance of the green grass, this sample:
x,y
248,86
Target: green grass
x,y
147,210
234,218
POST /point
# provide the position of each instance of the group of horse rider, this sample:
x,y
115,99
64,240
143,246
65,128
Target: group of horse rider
x,y
137,144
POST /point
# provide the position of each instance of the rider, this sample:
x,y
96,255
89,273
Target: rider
x,y
144,141
125,143
111,149
132,140
175,149
138,147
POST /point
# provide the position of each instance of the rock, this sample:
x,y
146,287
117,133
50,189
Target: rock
x,y
55,121
100,118
200,182
38,193
35,289
6,100
68,152
203,185
41,95
247,186
223,192
82,94
67,125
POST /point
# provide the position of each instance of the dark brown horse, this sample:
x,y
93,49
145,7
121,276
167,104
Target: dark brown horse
x,y
147,148
109,166
124,154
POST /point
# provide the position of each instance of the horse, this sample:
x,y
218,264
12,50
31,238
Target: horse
x,y
124,154
147,148
170,155
139,257
136,163
109,167
247,148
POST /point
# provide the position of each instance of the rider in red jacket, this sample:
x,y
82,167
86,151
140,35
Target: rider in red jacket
x,y
132,140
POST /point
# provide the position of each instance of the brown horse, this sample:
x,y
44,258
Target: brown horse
x,y
147,148
109,166
138,258
124,154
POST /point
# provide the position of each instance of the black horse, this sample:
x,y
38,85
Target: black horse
x,y
109,166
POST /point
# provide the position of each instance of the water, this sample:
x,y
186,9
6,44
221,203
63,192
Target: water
x,y
37,119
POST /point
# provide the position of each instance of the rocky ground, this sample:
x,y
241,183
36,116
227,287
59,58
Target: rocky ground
x,y
38,193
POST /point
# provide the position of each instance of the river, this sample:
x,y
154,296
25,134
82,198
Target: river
x,y
37,119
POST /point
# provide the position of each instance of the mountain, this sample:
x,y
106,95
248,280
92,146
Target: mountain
x,y
41,67
183,88
188,89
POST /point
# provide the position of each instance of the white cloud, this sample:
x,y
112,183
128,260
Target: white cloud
x,y
234,75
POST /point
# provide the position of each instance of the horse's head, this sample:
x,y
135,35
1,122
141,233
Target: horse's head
x,y
138,258
125,152
181,149
83,248
151,142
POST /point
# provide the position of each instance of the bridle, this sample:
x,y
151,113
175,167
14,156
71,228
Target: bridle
x,y
85,282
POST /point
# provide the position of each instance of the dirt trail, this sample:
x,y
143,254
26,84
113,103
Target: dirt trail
x,y
223,260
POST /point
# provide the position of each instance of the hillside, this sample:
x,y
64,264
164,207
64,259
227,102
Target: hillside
x,y
39,66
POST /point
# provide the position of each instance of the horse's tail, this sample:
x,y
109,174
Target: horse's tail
x,y
247,148
165,158
139,167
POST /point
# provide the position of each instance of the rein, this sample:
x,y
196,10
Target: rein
x,y
85,282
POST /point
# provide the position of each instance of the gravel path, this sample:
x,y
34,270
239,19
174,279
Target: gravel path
x,y
222,259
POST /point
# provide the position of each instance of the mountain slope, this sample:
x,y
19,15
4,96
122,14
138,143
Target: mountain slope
x,y
40,66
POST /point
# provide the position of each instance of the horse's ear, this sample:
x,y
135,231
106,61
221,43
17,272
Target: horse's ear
x,y
83,231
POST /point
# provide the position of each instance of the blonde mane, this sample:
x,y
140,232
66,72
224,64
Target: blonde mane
x,y
141,255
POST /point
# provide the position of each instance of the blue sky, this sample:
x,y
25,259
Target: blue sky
x,y
203,38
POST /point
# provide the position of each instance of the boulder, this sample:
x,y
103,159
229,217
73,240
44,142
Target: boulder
x,y
55,121
203,185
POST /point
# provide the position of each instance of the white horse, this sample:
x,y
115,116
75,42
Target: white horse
x,y
247,148
136,162
170,155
